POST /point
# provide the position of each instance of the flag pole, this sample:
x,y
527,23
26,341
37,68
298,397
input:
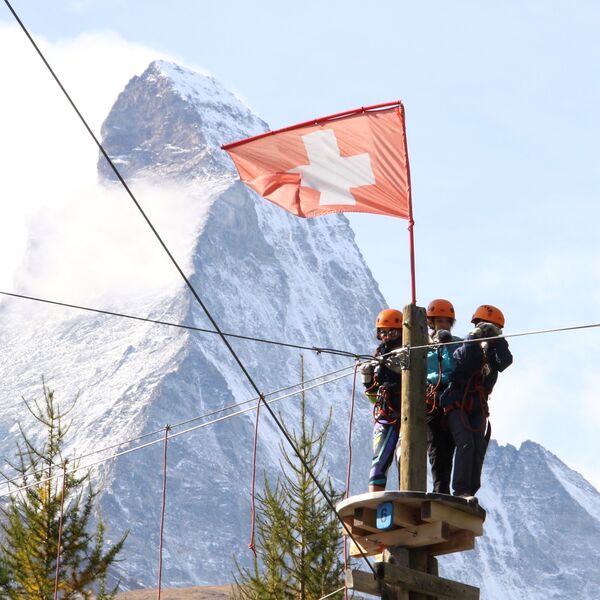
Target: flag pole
x,y
411,221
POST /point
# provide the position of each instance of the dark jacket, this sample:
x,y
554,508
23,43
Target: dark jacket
x,y
469,368
385,376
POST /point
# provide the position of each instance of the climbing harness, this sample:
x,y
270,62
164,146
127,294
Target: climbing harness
x,y
475,392
383,409
431,394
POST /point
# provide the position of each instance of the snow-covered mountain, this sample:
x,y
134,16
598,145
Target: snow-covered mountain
x,y
542,531
261,272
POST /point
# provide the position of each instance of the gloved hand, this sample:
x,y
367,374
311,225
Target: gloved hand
x,y
475,334
441,336
366,373
397,360
489,329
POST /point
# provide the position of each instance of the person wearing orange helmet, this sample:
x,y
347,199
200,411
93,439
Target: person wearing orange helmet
x,y
465,401
440,364
382,380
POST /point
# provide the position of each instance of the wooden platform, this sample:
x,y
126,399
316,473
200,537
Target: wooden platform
x,y
439,523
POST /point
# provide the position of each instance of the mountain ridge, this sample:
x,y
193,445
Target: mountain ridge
x,y
266,273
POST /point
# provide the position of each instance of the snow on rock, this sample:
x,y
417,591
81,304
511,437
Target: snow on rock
x,y
261,272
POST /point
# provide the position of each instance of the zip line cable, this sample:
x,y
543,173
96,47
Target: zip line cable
x,y
148,444
237,359
491,338
317,349
321,376
212,413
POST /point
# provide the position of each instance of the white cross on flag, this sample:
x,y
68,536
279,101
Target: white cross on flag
x,y
350,162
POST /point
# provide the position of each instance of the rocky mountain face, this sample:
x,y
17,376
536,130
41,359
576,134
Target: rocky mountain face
x,y
541,532
261,272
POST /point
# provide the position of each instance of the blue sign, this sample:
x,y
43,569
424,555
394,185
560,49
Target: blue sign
x,y
385,515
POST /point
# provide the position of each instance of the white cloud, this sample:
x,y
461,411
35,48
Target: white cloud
x,y
79,240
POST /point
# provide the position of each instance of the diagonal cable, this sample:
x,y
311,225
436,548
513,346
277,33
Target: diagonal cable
x,y
187,281
317,349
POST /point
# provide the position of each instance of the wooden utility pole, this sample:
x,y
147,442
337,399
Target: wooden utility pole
x,y
413,440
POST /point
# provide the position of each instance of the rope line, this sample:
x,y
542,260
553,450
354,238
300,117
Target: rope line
x,y
209,414
348,471
60,530
333,593
498,337
153,442
162,513
317,349
187,281
251,545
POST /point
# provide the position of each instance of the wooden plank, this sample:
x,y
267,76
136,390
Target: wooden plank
x,y
459,541
355,529
368,547
405,516
432,565
426,534
457,519
398,578
366,518
362,581
431,585
412,499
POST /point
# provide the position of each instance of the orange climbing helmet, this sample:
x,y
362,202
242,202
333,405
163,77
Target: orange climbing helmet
x,y
389,318
489,313
441,308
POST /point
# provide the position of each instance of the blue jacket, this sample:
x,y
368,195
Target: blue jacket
x,y
441,355
470,360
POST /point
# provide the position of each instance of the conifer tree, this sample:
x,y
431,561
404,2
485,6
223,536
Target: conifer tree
x,y
298,537
31,521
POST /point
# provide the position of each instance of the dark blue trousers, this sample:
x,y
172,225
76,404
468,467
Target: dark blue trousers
x,y
468,431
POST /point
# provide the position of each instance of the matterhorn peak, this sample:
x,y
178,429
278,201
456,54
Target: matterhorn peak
x,y
174,120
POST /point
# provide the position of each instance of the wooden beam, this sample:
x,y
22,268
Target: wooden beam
x,y
366,518
413,537
403,578
413,441
354,526
369,548
457,519
403,516
459,541
362,581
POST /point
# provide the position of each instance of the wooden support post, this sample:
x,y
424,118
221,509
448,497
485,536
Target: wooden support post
x,y
394,580
413,442
413,437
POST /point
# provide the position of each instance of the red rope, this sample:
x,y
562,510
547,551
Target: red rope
x,y
349,468
251,545
162,513
60,530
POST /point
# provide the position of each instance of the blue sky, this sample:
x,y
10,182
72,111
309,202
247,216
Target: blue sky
x,y
503,127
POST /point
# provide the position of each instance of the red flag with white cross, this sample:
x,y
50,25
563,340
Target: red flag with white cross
x,y
350,162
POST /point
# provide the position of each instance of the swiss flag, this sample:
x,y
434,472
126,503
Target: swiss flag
x,y
351,162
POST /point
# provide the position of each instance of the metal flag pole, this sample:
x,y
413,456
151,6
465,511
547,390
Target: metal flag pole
x,y
411,221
